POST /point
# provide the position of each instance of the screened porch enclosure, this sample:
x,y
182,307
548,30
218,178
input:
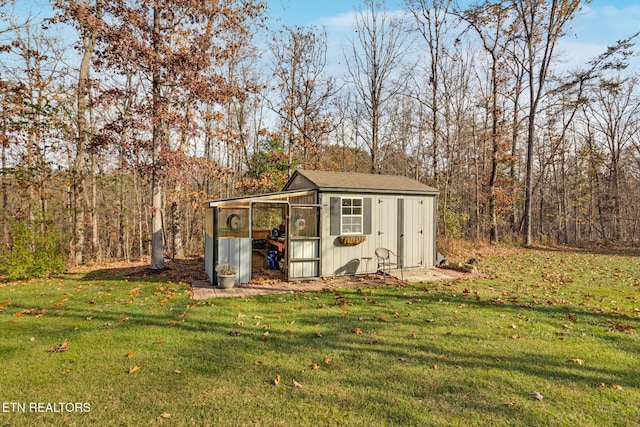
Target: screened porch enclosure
x,y
276,236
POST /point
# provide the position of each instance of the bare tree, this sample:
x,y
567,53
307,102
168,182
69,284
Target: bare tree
x,y
376,54
303,91
542,24
612,118
432,23
490,22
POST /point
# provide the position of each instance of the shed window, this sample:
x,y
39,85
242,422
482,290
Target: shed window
x,y
351,216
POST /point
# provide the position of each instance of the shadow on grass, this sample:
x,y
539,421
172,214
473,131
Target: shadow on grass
x,y
376,370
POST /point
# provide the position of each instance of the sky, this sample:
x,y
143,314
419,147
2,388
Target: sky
x,y
600,24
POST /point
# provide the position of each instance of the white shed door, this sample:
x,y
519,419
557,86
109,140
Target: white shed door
x,y
413,232
388,224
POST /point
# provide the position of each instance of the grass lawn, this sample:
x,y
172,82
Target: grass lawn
x,y
459,353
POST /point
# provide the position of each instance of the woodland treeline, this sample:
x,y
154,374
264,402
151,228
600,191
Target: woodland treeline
x,y
120,117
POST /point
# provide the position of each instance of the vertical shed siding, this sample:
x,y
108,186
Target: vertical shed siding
x,y
208,243
338,259
237,252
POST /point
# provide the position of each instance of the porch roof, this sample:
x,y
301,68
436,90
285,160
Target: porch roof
x,y
267,197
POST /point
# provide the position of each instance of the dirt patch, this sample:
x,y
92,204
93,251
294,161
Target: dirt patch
x,y
183,270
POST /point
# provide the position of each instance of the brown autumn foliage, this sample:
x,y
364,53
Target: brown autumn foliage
x,y
174,104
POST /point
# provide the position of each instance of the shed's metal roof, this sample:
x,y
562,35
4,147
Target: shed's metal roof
x,y
350,181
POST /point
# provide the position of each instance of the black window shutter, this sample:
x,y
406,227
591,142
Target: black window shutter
x,y
334,216
366,211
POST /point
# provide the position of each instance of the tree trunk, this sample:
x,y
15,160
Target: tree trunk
x,y
157,248
176,243
5,190
78,172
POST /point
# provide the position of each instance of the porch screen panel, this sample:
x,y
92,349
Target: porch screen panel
x,y
304,241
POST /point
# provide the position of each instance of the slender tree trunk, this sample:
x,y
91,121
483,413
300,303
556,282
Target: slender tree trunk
x,y
140,216
157,247
122,220
78,172
495,148
564,196
178,248
95,238
5,189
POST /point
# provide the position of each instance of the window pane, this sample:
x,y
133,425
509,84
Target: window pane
x,y
351,216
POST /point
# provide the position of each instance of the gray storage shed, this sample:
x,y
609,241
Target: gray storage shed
x,y
323,224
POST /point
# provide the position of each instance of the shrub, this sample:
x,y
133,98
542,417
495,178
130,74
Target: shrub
x,y
31,254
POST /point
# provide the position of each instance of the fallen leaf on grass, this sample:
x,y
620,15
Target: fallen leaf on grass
x,y
536,395
516,336
165,415
616,386
296,384
326,361
414,335
62,301
177,371
357,331
158,341
59,348
578,361
265,336
509,404
319,334
234,333
276,380
315,366
131,354
134,369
